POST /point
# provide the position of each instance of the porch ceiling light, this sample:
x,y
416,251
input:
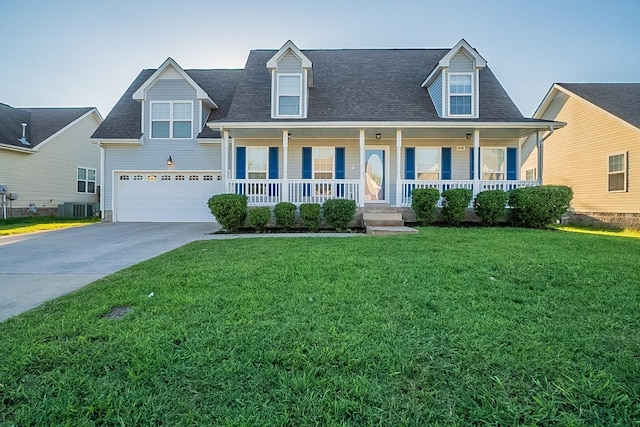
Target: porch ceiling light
x,y
378,136
169,161
468,136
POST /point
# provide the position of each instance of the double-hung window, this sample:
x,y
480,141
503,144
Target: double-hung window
x,y
171,120
493,163
428,163
323,167
617,172
257,168
86,180
460,95
289,95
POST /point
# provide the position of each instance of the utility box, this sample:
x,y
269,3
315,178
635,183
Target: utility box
x,y
3,188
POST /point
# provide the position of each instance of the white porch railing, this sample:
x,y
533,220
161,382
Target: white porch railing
x,y
262,192
409,185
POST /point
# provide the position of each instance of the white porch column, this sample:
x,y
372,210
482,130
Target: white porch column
x,y
225,160
398,167
476,162
540,146
285,165
362,183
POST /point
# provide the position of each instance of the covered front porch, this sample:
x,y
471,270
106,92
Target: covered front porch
x,y
372,165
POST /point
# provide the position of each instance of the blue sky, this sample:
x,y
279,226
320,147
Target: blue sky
x,y
86,53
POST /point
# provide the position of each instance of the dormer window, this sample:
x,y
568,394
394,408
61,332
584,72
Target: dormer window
x,y
171,120
289,95
460,94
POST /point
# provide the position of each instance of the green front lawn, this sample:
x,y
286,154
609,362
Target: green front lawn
x,y
467,326
24,225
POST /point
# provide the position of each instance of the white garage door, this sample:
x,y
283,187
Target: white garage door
x,y
165,196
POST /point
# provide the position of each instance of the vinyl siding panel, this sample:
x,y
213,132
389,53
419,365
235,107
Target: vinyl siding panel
x,y
435,90
289,63
578,154
555,106
50,174
152,156
461,63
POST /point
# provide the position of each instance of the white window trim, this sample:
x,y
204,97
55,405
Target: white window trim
x,y
504,173
439,150
303,110
171,120
87,180
313,163
624,172
246,160
472,95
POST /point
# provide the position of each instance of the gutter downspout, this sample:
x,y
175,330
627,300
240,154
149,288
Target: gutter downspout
x,y
540,147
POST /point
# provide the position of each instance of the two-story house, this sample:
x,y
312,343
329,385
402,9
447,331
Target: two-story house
x,y
309,125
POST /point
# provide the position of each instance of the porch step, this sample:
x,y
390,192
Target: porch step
x,y
382,219
390,231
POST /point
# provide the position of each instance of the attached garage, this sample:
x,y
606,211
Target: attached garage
x,y
165,196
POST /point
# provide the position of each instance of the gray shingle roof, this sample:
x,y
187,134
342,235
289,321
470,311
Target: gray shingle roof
x,y
364,85
620,99
41,123
123,122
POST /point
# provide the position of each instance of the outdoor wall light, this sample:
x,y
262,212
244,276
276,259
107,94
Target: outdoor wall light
x,y
169,161
378,136
468,136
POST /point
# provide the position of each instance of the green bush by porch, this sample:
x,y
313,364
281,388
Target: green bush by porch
x,y
310,215
490,206
537,207
230,210
259,217
455,202
424,203
339,212
285,213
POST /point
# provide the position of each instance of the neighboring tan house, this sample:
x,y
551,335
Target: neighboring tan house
x,y
47,161
305,126
597,154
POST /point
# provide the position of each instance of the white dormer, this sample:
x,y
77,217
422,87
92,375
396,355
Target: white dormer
x,y
454,83
291,78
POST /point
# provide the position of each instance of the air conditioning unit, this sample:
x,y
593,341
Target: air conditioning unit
x,y
78,210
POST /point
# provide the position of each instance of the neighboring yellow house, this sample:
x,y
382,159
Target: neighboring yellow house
x,y
597,153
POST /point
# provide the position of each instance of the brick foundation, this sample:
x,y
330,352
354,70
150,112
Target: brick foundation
x,y
606,219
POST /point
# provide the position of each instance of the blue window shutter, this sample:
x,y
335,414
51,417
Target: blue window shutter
x,y
241,162
512,160
306,162
340,163
410,163
273,162
446,162
471,164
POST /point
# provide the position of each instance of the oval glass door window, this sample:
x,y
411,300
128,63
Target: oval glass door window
x,y
374,178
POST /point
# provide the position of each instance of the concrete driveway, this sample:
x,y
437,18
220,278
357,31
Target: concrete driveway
x,y
38,267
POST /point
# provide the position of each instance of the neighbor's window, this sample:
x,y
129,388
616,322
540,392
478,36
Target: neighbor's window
x,y
289,94
323,163
428,163
493,163
171,120
86,180
257,162
530,174
460,99
617,173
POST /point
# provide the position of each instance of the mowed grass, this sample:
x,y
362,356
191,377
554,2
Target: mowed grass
x,y
24,225
478,326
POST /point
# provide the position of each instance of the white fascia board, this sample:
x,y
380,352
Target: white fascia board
x,y
93,111
103,142
18,149
432,76
387,125
544,104
209,140
289,45
139,95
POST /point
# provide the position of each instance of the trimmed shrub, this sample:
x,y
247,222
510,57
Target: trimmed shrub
x,y
424,202
230,210
455,202
339,212
259,218
537,207
285,214
310,215
491,205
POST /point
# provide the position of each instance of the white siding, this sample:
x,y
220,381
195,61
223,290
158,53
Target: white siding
x,y
461,63
51,173
289,63
435,90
